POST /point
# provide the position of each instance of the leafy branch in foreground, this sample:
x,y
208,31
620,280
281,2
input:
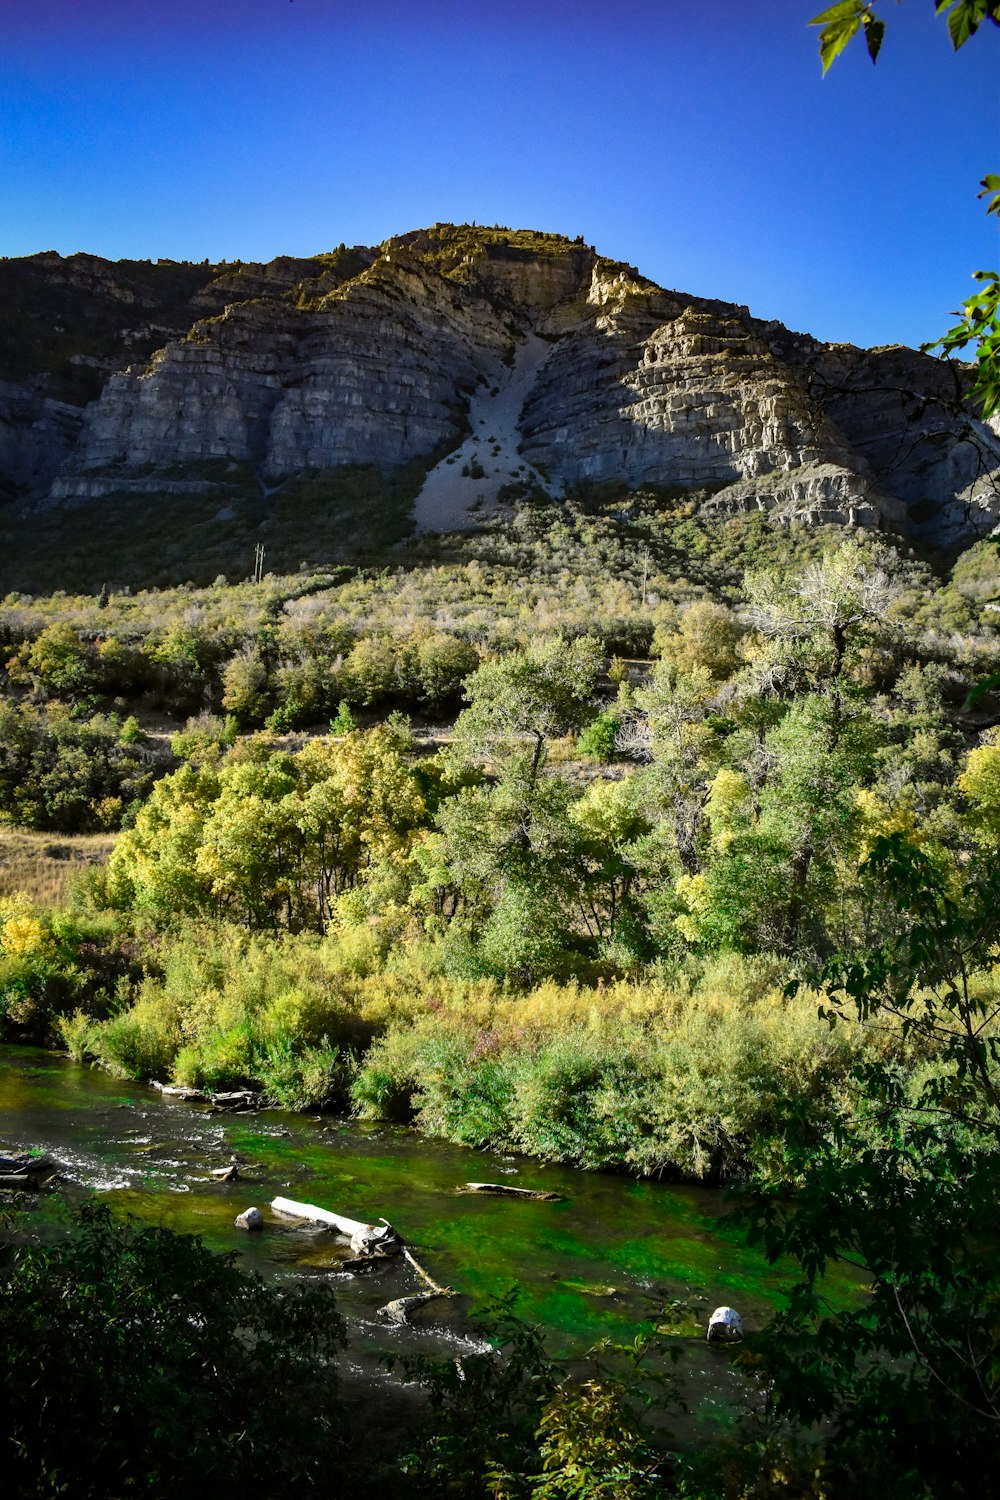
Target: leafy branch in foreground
x,y
510,1423
842,22
903,1188
980,323
980,315
134,1361
925,973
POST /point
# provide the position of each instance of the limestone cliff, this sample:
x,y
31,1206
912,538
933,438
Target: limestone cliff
x,y
137,379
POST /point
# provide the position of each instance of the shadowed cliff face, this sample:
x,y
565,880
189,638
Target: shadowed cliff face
x,y
137,379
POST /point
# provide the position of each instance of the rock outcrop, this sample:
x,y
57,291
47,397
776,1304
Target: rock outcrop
x,y
138,379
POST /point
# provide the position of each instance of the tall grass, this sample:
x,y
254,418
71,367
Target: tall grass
x,y
651,1079
43,867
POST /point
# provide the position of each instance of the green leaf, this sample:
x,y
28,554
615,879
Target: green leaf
x,y
840,23
980,323
986,686
839,12
991,184
834,39
964,20
874,32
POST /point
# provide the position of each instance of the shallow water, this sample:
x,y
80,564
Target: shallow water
x,y
590,1267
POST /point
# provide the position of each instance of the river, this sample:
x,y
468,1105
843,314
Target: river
x,y
592,1266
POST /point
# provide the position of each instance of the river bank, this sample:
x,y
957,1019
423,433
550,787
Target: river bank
x,y
686,1073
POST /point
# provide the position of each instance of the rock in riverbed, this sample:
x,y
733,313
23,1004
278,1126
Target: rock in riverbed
x,y
725,1326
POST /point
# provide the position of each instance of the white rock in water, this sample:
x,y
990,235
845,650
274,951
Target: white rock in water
x,y
252,1218
725,1326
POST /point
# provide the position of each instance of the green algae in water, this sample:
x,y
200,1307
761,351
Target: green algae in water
x,y
597,1265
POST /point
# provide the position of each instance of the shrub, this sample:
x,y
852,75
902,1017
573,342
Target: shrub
x,y
131,732
344,721
598,739
142,1041
196,1375
63,774
307,1077
77,1032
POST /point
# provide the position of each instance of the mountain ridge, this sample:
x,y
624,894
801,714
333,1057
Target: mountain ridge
x,y
137,382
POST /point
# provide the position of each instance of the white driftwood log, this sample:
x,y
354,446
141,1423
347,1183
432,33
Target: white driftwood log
x,y
366,1239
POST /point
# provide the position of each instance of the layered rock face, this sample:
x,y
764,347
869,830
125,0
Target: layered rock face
x,y
372,372
686,396
141,379
698,394
70,325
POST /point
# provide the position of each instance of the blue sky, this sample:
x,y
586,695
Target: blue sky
x,y
697,141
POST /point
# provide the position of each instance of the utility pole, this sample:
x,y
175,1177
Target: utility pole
x,y
258,562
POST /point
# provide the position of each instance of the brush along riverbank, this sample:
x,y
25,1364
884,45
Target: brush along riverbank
x,y
690,1075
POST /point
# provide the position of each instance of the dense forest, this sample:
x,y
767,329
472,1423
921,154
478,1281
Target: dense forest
x,y
613,836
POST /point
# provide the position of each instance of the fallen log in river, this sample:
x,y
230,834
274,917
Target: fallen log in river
x,y
25,1171
400,1308
232,1099
366,1239
502,1190
370,1242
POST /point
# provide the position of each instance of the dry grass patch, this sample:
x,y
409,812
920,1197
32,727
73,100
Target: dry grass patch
x,y
42,866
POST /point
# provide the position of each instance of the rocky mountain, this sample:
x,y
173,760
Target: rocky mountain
x,y
494,359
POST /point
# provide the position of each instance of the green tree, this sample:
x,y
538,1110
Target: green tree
x,y
251,849
59,663
685,754
444,663
610,820
706,635
774,876
62,773
152,867
509,847
519,702
246,687
819,623
511,854
271,839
